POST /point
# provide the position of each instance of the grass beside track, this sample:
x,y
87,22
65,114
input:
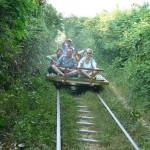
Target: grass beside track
x,y
28,116
68,120
111,136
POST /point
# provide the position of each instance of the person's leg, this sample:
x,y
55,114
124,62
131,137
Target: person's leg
x,y
72,73
94,73
83,73
56,69
50,70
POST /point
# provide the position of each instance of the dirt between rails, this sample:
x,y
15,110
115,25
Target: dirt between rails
x,y
120,97
88,145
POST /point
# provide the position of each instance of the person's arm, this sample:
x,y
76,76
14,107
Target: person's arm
x,y
80,63
52,59
94,64
64,47
63,43
59,61
81,52
75,62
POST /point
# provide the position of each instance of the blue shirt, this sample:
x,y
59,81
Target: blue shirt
x,y
68,62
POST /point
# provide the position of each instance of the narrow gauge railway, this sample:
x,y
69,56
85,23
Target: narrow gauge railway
x,y
85,120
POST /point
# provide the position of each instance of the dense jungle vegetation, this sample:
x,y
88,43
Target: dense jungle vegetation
x,y
30,30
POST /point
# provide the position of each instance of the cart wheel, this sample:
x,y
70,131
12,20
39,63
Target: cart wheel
x,y
96,89
57,85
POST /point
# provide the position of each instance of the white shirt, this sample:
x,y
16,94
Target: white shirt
x,y
83,64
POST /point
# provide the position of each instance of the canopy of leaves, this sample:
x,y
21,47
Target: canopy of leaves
x,y
122,40
27,33
27,30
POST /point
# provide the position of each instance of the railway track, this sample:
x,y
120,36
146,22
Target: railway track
x,y
87,130
86,122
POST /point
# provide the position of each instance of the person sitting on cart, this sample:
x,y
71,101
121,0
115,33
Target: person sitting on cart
x,y
65,45
66,61
89,63
53,59
76,55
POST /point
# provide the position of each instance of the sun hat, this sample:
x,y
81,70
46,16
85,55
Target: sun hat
x,y
68,40
88,50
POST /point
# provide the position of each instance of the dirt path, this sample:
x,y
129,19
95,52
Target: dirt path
x,y
87,145
120,97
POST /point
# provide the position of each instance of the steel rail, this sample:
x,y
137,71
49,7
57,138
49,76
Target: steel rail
x,y
58,143
119,124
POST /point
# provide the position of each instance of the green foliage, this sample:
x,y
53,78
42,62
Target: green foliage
x,y
27,31
69,126
122,42
28,115
26,109
110,134
75,28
